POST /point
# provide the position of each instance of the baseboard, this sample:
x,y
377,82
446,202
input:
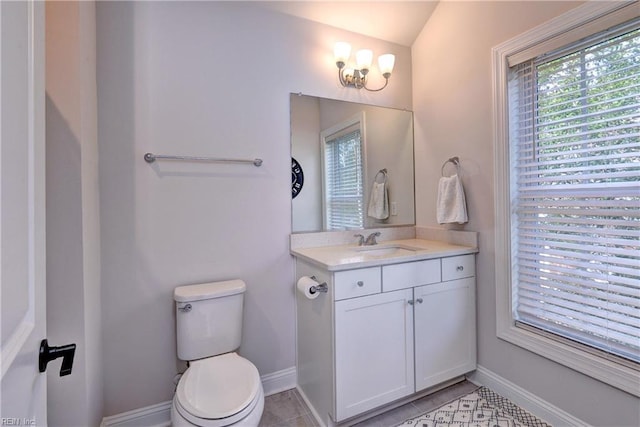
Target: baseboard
x,y
276,382
532,403
159,415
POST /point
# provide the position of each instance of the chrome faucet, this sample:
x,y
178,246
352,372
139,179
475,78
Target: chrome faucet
x,y
360,239
371,239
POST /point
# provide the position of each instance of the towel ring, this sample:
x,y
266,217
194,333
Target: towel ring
x,y
382,172
455,160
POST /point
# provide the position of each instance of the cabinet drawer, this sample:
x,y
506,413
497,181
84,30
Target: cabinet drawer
x,y
410,274
458,267
356,283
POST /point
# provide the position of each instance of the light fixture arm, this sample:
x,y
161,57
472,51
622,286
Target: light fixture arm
x,y
386,82
358,79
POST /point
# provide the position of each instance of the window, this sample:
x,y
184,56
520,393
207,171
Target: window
x,y
568,194
343,169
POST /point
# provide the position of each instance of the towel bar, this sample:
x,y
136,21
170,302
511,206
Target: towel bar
x,y
150,158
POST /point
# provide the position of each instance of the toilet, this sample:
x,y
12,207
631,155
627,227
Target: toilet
x,y
219,388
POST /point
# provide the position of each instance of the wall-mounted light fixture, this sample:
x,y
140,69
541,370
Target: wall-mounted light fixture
x,y
358,77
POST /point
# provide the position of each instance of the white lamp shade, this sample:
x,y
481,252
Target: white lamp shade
x,y
364,58
386,63
342,51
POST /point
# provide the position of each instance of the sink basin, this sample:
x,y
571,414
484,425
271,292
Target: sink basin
x,y
382,251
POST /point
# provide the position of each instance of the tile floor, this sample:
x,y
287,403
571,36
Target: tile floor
x,y
287,409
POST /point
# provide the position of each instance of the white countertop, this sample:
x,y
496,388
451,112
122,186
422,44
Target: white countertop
x,y
346,257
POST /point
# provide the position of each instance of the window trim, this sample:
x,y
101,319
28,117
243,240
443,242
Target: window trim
x,y
608,371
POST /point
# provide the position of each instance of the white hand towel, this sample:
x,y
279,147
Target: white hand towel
x,y
451,206
378,201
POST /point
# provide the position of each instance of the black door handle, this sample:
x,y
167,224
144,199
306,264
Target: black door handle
x,y
47,354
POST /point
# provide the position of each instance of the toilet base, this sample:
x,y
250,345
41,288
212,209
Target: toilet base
x,y
251,420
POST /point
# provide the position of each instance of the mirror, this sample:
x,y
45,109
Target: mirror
x,y
352,165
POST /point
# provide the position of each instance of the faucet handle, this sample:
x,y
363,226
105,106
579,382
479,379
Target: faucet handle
x,y
360,239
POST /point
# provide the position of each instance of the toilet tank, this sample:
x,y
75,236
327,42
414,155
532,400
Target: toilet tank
x,y
208,318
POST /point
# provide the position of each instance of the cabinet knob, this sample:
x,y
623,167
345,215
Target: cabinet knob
x,y
410,302
459,268
419,300
360,283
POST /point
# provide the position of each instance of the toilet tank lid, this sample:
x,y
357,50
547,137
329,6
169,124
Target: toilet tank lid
x,y
208,290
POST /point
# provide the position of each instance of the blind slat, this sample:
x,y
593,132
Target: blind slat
x,y
620,300
596,307
621,325
579,324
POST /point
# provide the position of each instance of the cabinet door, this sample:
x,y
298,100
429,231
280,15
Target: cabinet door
x,y
373,351
445,331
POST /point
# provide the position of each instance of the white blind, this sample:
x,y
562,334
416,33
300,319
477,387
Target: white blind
x,y
344,190
575,158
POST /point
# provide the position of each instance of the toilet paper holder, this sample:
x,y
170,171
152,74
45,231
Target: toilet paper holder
x,y
321,287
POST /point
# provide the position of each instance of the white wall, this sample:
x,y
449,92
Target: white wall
x,y
452,104
212,79
73,220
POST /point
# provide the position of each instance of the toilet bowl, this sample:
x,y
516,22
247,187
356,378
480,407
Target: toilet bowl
x,y
219,391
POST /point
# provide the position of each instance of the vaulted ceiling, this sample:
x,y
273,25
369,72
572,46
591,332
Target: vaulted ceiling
x,y
395,21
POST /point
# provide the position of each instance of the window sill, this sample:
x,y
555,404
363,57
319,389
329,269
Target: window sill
x,y
619,376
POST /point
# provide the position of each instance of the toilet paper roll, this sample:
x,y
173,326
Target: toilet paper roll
x,y
305,284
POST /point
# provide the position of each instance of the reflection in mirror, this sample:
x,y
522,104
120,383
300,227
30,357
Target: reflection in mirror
x,y
342,147
357,162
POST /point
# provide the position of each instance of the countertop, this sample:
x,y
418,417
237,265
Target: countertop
x,y
346,257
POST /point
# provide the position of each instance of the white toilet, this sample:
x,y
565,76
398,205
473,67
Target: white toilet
x,y
220,388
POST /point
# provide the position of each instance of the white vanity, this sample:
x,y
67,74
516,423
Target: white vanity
x,y
397,320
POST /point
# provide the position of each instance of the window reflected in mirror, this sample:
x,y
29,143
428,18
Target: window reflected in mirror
x,y
343,187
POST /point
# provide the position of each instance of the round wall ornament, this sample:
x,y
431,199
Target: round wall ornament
x,y
297,178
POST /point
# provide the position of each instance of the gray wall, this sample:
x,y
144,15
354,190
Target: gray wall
x,y
203,78
452,104
73,217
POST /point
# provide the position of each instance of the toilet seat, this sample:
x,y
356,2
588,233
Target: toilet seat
x,y
218,391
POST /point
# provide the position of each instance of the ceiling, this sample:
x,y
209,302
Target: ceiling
x,y
395,21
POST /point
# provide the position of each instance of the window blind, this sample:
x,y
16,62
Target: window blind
x,y
575,170
344,188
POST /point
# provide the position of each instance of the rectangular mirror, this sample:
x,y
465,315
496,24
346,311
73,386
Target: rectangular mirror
x,y
352,165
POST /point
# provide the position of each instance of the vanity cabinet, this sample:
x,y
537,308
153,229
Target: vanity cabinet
x,y
393,330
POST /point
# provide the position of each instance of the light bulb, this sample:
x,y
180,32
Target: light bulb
x,y
364,57
341,53
386,63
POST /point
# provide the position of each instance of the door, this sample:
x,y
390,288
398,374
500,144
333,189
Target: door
x,y
445,329
373,351
22,220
